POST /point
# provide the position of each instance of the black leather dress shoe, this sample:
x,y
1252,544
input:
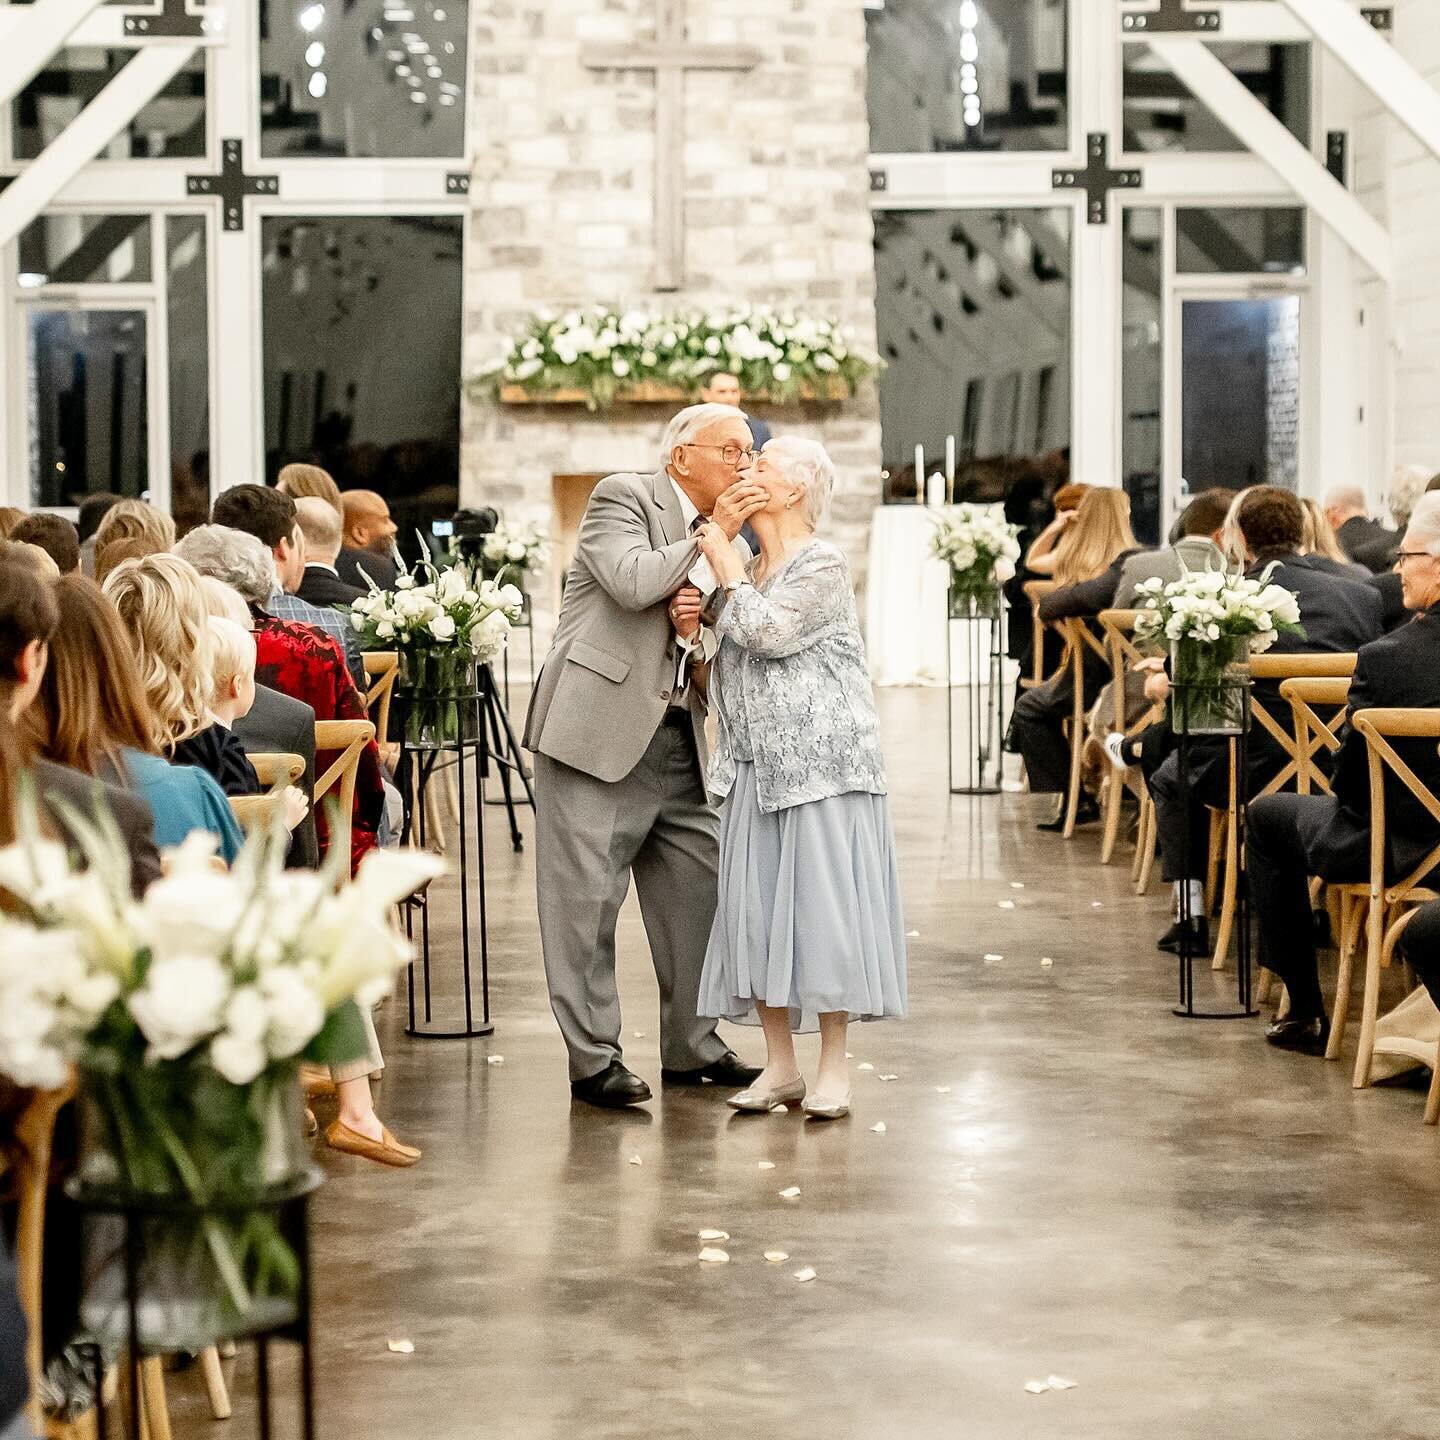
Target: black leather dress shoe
x,y
1308,1036
613,1088
1199,937
729,1070
1086,813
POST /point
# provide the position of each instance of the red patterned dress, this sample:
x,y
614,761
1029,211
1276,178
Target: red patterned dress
x,y
303,662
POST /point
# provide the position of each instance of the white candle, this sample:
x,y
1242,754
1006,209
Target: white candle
x,y
919,474
949,469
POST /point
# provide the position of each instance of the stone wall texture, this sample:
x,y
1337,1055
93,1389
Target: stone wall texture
x,y
776,210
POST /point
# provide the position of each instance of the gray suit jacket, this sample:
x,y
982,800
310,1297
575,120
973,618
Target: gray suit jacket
x,y
1196,552
280,724
606,683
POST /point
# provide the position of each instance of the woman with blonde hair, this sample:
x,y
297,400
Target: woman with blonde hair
x,y
136,520
1088,562
298,480
160,600
1040,559
1322,550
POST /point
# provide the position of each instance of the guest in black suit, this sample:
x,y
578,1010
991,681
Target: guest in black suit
x,y
369,541
1338,615
1292,837
1407,485
1349,516
321,584
1091,558
724,389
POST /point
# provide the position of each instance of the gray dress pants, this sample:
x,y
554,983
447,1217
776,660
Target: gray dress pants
x,y
591,836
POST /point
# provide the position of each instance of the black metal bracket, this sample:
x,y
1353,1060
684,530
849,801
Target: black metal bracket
x,y
232,184
457,182
171,21
879,181
1171,16
1379,17
1097,179
1337,155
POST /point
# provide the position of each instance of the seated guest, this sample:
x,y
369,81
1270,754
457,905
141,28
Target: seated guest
x,y
117,552
369,550
1322,548
1090,560
295,659
1196,546
299,480
93,509
1337,615
163,608
321,584
28,618
1044,554
10,517
107,730
135,520
1407,485
1348,513
1292,837
54,534
275,724
31,558
270,517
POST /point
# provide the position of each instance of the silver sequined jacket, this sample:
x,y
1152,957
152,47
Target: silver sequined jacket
x,y
791,673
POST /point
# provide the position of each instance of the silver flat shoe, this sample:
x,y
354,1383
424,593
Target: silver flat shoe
x,y
823,1108
756,1100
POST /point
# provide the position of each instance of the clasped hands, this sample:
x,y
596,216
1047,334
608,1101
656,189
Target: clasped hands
x,y
731,511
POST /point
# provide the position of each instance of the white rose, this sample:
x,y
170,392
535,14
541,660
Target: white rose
x,y
384,630
181,1002
1004,570
781,372
189,913
516,551
442,628
404,582
294,1010
238,1059
510,597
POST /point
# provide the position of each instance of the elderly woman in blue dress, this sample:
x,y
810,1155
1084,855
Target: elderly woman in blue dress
x,y
808,924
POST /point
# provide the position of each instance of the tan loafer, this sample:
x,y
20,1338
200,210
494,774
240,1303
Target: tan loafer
x,y
315,1080
386,1151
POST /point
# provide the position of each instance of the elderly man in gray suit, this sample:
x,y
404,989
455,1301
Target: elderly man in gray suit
x,y
617,729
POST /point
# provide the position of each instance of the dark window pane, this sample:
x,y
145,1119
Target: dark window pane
x,y
1141,385
967,75
66,248
1266,240
362,355
385,80
188,332
1162,114
172,125
87,398
974,320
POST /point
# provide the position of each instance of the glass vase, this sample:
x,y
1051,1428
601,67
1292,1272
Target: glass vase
x,y
439,688
974,597
1210,686
198,1166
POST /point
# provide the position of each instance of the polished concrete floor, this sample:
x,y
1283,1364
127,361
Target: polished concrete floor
x,y
1210,1239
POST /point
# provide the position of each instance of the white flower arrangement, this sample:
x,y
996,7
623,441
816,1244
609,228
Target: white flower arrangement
x,y
237,971
779,354
979,545
1207,606
505,550
434,609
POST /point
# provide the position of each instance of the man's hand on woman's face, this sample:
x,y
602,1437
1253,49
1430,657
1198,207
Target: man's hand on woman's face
x,y
737,504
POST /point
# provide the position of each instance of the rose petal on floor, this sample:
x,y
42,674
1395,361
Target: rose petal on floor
x,y
806,1274
1059,1382
636,1160
1006,905
776,1257
864,1065
1017,884
889,1077
494,1059
401,1347
1036,1387
767,1164
713,1235
993,959
878,1128
942,1089
1097,904
912,934
1046,962
711,1256
639,1034
790,1193
779,1109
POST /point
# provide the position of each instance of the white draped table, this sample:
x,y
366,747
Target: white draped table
x,y
906,597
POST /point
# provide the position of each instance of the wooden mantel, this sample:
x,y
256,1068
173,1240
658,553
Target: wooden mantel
x,y
833,392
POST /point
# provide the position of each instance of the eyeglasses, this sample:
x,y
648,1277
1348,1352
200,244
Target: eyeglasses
x,y
731,454
1402,555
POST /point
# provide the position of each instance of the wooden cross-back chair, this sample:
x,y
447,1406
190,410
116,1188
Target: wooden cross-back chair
x,y
381,669
347,739
1036,591
275,771
1118,628
278,768
1224,832
1377,908
1080,640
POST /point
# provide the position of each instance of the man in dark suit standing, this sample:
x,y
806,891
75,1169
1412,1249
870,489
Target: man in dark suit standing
x,y
1291,837
1337,614
724,389
1349,516
321,583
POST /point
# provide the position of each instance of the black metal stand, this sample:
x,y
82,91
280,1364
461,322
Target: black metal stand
x,y
1238,748
983,626
290,1205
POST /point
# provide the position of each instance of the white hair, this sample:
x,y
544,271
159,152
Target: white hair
x,y
1345,497
1423,531
805,463
238,559
692,421
1406,487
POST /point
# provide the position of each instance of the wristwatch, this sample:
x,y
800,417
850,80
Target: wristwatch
x,y
731,585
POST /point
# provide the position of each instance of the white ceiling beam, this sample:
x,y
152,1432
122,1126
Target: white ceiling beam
x,y
33,33
1254,126
138,82
1377,64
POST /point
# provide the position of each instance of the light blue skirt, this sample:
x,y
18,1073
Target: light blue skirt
x,y
809,915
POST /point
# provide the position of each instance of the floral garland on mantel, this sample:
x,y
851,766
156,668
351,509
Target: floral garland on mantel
x,y
598,356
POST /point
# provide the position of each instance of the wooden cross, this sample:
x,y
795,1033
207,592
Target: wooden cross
x,y
669,55
232,185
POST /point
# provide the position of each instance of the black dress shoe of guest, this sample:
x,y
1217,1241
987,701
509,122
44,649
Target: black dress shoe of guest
x,y
1086,813
729,1070
1199,937
1309,1036
613,1088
